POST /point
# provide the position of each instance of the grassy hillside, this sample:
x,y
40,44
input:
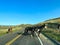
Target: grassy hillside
x,y
52,32
55,20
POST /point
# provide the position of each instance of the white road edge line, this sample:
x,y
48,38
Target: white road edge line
x,y
39,39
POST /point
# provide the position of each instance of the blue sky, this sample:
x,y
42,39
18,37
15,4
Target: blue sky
x,y
13,12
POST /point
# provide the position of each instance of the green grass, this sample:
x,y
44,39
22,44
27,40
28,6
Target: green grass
x,y
2,34
53,34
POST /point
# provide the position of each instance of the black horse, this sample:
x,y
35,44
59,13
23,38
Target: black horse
x,y
40,28
31,29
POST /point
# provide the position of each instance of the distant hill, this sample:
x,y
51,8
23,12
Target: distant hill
x,y
3,27
55,20
22,25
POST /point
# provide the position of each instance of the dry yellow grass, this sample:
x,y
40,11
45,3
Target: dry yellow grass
x,y
4,31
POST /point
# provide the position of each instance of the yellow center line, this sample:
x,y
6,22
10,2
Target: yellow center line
x,y
10,42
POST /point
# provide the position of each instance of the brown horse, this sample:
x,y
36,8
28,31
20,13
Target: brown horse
x,y
9,29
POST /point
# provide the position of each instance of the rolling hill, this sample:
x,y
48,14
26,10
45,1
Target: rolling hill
x,y
55,20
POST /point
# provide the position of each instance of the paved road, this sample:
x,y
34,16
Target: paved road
x,y
24,39
45,40
6,38
27,40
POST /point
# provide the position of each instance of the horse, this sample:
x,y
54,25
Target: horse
x,y
33,29
27,29
9,29
40,28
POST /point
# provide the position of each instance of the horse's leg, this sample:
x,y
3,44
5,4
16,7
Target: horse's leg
x,y
31,33
38,33
11,31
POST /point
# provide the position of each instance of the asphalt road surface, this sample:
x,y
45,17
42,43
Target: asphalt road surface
x,y
24,39
6,38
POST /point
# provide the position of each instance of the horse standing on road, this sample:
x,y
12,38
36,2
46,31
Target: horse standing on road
x,y
31,29
40,28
